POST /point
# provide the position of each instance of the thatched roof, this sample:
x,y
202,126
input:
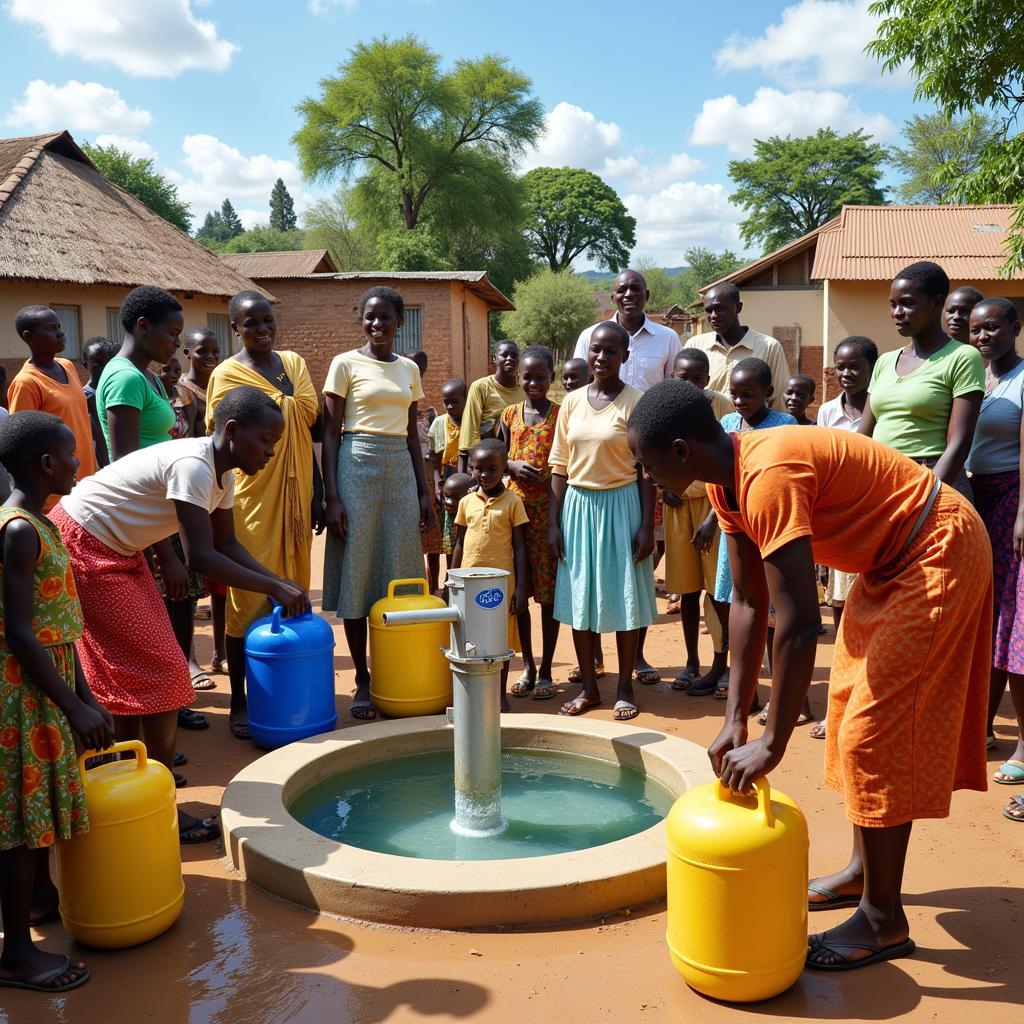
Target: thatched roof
x,y
280,264
61,220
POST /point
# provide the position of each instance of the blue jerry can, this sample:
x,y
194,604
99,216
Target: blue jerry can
x,y
289,670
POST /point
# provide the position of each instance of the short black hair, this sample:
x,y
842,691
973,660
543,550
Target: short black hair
x,y
928,276
382,291
863,345
485,444
615,326
636,273
107,348
242,299
541,352
26,317
198,333
806,378
148,301
1005,306
502,341
245,405
418,357
459,479
756,368
727,290
453,382
969,290
576,359
25,437
693,355
673,409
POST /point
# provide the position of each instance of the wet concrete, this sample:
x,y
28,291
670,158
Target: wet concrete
x,y
240,956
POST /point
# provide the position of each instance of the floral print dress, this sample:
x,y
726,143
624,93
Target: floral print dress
x,y
41,794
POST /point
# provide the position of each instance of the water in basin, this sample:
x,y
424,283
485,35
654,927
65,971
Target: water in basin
x,y
553,803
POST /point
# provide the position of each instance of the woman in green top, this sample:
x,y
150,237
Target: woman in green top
x,y
924,399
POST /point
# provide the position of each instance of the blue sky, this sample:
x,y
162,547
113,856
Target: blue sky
x,y
655,97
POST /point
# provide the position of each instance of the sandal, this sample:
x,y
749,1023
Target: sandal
x,y
674,606
818,731
363,710
1015,771
523,686
832,900
577,706
189,719
576,677
206,830
38,982
201,681
624,711
544,690
219,664
240,730
683,680
179,780
647,676
818,943
179,759
1018,803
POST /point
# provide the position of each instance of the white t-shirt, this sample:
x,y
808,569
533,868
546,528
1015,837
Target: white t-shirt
x,y
652,351
838,415
129,504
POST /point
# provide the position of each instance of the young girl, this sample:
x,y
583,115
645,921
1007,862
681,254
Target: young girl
x,y
96,353
430,538
45,700
443,449
601,522
491,524
528,430
797,395
170,374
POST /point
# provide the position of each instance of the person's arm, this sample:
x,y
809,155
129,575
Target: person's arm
x,y
195,426
704,536
412,442
963,418
460,533
867,420
779,365
22,395
123,424
334,422
317,515
99,442
91,725
521,596
643,542
789,573
556,543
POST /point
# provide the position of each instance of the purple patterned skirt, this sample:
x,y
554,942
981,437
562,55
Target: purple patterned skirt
x,y
996,499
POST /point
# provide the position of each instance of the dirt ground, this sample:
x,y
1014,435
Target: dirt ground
x,y
238,955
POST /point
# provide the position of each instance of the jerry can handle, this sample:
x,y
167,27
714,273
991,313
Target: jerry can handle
x,y
764,797
421,583
118,748
275,618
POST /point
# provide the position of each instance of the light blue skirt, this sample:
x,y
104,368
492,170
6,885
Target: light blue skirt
x,y
723,577
598,587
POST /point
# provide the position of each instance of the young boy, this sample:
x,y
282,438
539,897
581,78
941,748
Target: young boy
x,y
96,353
488,397
443,452
691,554
202,350
491,524
49,384
575,373
798,394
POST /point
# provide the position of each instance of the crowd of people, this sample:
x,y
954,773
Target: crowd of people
x,y
165,479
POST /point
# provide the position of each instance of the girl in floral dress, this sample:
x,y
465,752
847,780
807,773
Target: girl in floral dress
x,y
528,430
45,702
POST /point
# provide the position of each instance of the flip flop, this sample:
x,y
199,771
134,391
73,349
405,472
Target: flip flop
x,y
201,681
576,677
878,953
179,780
179,759
1015,769
191,836
37,983
193,720
683,680
647,676
240,730
762,718
363,710
1019,801
624,711
523,686
544,690
577,706
832,900
818,732
219,665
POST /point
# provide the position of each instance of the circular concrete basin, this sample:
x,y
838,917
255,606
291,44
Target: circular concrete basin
x,y
276,852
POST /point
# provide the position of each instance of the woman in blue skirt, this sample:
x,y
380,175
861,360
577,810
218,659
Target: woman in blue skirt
x,y
601,522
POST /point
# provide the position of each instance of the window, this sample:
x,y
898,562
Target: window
x,y
115,332
70,323
220,325
408,337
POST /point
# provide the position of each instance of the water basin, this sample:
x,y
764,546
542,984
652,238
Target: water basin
x,y
554,802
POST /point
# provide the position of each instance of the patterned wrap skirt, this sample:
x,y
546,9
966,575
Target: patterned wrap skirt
x,y
996,496
598,587
542,564
128,651
377,486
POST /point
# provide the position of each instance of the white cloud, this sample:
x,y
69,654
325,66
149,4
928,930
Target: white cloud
x,y
574,137
137,147
78,106
149,38
683,214
319,7
724,121
815,43
644,178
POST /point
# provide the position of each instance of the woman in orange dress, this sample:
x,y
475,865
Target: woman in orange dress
x,y
909,685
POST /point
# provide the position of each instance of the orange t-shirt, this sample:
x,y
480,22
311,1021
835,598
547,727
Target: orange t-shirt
x,y
855,498
31,389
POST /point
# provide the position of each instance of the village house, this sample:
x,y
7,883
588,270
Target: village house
x,y
72,240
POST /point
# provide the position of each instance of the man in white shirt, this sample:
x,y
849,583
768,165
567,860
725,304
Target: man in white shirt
x,y
729,341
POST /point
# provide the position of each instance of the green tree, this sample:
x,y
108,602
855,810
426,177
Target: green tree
x,y
264,238
791,186
282,209
551,309
212,230
967,57
661,286
392,108
703,266
330,224
136,176
231,221
571,212
419,249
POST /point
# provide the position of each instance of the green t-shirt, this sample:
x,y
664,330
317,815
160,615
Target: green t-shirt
x,y
912,412
123,383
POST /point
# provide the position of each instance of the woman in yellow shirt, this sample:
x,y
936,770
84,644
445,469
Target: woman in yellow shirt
x,y
378,502
601,522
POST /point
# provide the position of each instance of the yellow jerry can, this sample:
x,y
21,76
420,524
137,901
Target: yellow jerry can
x,y
737,891
120,883
409,674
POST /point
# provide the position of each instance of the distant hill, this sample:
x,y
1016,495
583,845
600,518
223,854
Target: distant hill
x,y
602,275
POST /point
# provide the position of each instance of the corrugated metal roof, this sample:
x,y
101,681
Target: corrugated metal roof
x,y
873,243
280,264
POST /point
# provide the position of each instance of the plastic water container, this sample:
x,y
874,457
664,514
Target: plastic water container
x,y
289,671
120,883
737,891
410,675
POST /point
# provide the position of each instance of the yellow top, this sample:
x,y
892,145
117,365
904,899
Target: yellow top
x,y
720,405
484,405
590,444
377,394
753,343
489,523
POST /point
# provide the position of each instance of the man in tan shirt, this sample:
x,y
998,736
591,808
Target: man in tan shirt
x,y
729,341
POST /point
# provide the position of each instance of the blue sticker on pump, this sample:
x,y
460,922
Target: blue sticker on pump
x,y
490,598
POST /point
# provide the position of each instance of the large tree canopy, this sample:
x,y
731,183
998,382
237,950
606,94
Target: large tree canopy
x,y
551,309
791,186
330,224
136,176
392,110
571,212
967,57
